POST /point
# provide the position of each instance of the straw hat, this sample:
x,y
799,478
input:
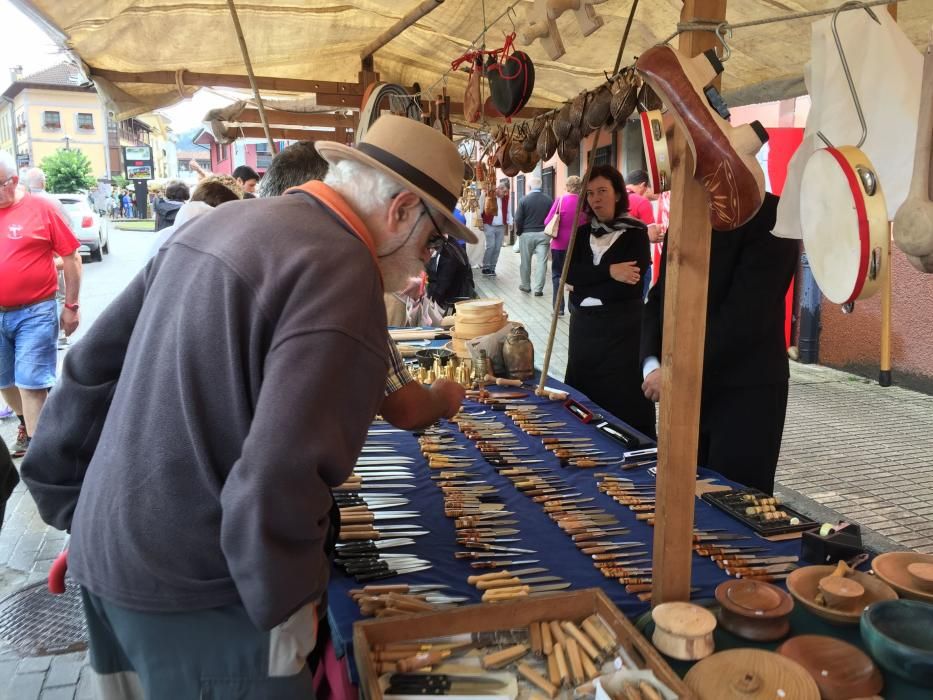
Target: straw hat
x,y
422,159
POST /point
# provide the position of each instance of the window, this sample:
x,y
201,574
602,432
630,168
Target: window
x,y
224,151
603,156
547,182
86,121
51,120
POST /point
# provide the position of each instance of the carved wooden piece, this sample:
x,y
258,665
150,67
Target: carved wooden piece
x,y
541,25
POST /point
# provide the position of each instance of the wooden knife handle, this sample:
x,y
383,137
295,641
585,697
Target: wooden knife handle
x,y
560,656
585,643
540,681
473,580
359,535
355,518
589,668
576,665
553,672
422,660
638,588
534,636
592,629
499,594
498,659
557,633
494,583
547,642
408,602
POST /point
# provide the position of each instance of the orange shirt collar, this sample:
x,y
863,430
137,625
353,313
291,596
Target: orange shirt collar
x,y
332,199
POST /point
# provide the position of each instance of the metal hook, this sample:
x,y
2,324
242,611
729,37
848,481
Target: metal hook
x,y
508,13
722,30
845,67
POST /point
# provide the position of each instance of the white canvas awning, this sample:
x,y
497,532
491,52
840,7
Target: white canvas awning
x,y
146,54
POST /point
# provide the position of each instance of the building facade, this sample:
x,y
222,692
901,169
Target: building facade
x,y
227,157
50,110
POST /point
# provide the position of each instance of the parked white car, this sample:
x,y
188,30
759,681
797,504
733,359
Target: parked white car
x,y
91,231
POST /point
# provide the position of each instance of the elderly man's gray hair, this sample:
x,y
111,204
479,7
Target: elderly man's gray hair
x,y
35,179
534,182
365,187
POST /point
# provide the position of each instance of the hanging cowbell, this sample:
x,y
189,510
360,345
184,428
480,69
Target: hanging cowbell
x,y
511,80
518,353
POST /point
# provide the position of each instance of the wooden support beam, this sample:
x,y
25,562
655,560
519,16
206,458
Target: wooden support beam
x,y
253,132
413,15
688,248
167,77
279,118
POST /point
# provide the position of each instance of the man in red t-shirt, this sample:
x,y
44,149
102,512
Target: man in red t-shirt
x,y
32,232
639,206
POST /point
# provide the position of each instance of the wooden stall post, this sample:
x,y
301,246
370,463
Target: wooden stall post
x,y
688,246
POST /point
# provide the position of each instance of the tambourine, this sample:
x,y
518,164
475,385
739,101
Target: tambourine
x,y
656,154
844,221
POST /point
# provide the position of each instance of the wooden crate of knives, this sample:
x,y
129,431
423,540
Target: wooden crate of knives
x,y
501,650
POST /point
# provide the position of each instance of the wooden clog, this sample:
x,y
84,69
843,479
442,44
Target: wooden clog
x,y
724,155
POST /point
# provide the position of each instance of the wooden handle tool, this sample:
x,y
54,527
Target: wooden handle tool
x,y
553,672
498,583
422,660
576,665
561,663
556,632
500,659
534,637
540,681
585,643
547,643
597,635
589,668
359,535
499,594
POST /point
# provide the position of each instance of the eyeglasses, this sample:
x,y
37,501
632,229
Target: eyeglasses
x,y
8,181
437,238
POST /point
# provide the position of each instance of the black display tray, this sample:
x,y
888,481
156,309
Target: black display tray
x,y
729,503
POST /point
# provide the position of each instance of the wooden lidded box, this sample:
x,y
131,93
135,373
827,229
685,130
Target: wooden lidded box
x,y
575,605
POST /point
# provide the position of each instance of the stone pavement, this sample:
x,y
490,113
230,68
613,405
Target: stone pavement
x,y
851,450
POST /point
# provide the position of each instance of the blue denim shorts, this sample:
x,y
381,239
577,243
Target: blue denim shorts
x,y
28,346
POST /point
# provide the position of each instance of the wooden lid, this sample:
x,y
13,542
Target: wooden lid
x,y
892,568
750,674
754,609
804,583
756,599
840,669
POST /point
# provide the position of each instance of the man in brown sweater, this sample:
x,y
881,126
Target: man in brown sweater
x,y
201,422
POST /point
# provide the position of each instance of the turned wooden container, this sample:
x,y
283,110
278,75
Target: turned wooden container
x,y
754,610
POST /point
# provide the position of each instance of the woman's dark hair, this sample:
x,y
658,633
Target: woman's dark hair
x,y
177,192
213,193
618,184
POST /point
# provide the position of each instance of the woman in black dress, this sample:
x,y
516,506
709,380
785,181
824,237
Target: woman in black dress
x,y
610,256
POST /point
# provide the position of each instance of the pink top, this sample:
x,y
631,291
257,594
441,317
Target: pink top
x,y
568,205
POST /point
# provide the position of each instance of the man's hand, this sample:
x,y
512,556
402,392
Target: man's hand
x,y
652,386
626,272
448,396
70,320
655,234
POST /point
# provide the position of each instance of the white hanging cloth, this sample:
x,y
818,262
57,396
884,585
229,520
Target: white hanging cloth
x,y
886,69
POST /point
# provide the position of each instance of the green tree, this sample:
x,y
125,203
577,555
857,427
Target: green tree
x,y
119,181
67,171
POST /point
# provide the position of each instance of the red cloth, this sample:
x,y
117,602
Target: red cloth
x,y
31,230
640,208
503,212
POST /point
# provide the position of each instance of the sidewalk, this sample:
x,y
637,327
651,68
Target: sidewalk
x,y
851,450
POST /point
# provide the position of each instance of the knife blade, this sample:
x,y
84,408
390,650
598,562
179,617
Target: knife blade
x,y
374,545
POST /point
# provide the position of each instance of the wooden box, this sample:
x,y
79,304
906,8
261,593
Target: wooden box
x,y
488,617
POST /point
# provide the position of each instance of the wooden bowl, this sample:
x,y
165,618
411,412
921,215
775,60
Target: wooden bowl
x,y
803,584
477,310
841,670
751,674
892,568
899,635
922,574
754,609
683,630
